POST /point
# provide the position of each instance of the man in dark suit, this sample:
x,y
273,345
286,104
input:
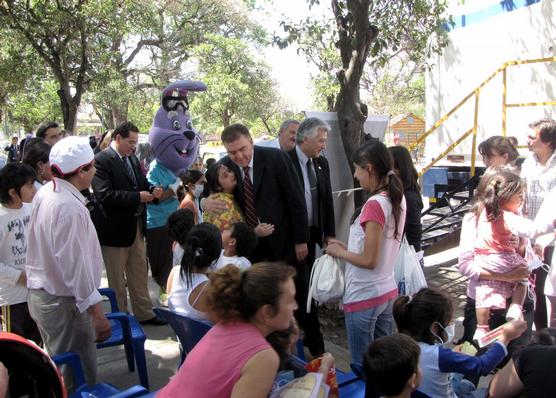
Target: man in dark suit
x,y
269,194
314,176
122,191
13,151
270,183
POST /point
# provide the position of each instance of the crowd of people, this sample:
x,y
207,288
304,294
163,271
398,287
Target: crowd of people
x,y
232,244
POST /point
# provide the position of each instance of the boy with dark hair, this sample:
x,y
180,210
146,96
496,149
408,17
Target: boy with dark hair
x,y
238,242
16,193
391,367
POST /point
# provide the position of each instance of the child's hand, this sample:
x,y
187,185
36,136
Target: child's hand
x,y
327,360
212,205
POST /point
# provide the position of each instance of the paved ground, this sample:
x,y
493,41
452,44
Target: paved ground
x,y
163,352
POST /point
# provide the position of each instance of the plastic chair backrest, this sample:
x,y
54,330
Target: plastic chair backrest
x,y
30,368
188,330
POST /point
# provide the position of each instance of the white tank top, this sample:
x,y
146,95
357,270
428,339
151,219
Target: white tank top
x,y
178,300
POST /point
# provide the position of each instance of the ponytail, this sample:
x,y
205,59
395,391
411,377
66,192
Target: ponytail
x,y
201,249
395,193
500,188
491,201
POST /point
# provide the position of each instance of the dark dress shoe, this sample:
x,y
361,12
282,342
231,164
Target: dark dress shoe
x,y
154,321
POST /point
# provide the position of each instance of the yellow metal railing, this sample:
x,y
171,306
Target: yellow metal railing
x,y
473,130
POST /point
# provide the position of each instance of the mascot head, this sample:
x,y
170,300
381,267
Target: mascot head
x,y
174,141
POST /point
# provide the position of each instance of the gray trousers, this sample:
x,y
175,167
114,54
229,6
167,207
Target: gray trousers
x,y
63,328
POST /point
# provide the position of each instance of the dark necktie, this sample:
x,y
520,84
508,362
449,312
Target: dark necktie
x,y
129,169
250,213
311,176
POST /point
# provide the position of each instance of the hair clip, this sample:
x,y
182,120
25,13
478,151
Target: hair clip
x,y
198,252
390,173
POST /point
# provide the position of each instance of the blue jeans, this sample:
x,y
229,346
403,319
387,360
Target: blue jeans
x,y
364,326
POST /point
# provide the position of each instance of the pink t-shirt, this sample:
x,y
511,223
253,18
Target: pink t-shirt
x,y
494,236
367,288
213,367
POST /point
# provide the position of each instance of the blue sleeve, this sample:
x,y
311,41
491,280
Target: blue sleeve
x,y
451,361
154,176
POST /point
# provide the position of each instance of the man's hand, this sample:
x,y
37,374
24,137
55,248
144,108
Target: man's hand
x,y
101,325
263,229
301,251
22,279
145,197
215,206
157,192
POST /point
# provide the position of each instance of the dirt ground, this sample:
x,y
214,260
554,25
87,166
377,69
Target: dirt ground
x,y
444,276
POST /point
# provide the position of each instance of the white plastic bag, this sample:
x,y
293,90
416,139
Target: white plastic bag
x,y
407,270
327,280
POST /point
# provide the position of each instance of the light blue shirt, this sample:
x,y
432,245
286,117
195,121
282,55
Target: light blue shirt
x,y
158,213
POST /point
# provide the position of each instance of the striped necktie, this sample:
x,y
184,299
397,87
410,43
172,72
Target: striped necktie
x,y
250,212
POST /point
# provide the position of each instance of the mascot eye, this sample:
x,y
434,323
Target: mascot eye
x,y
189,125
176,125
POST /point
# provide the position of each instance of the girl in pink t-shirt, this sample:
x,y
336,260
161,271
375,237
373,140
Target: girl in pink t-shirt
x,y
502,239
373,245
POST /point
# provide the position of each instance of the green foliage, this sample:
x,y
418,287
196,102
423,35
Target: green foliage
x,y
408,33
398,87
240,88
36,102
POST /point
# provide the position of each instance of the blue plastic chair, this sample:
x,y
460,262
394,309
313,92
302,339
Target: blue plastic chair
x,y
189,331
101,390
128,332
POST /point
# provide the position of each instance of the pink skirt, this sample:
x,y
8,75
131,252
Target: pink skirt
x,y
494,294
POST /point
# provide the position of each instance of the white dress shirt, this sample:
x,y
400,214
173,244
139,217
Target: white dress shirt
x,y
63,253
306,185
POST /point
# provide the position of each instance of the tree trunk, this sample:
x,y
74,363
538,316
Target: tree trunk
x,y
68,106
355,37
119,114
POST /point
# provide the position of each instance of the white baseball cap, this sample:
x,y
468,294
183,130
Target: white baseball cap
x,y
71,153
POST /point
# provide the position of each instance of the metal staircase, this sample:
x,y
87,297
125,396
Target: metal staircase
x,y
444,216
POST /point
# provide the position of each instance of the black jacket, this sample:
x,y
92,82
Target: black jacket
x,y
278,200
118,199
325,223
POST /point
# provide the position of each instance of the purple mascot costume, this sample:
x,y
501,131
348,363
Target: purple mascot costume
x,y
175,144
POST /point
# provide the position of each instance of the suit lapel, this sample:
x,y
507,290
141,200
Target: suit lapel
x,y
120,164
297,166
258,169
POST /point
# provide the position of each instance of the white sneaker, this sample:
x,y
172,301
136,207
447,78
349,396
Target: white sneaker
x,y
514,312
479,333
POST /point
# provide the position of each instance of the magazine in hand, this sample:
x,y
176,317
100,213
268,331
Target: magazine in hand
x,y
308,386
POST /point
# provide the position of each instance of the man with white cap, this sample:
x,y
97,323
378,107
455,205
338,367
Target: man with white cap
x,y
64,260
